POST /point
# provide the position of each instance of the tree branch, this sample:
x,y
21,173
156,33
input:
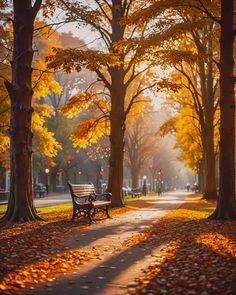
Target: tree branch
x,y
36,7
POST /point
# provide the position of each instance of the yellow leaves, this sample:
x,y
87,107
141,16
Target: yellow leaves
x,y
90,131
168,127
5,143
77,103
74,59
45,141
43,83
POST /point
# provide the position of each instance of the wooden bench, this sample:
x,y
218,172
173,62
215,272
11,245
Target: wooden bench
x,y
136,192
87,203
40,189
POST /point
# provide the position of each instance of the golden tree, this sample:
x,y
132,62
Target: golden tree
x,y
117,67
20,91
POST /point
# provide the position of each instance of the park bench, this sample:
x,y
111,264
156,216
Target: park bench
x,y
40,190
87,203
136,192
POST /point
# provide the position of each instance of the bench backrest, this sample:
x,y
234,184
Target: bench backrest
x,y
81,190
136,190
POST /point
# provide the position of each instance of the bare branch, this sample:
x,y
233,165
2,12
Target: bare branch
x,y
36,7
136,95
206,11
103,79
103,11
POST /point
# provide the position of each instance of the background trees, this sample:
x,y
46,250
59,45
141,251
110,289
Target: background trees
x,y
210,11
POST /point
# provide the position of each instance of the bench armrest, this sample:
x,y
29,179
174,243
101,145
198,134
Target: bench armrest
x,y
102,197
81,199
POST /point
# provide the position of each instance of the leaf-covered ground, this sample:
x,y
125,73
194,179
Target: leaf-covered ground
x,y
34,252
197,256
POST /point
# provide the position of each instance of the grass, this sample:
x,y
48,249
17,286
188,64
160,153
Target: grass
x,y
43,210
67,206
3,209
57,208
54,208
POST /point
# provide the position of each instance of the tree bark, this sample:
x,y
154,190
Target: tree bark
x,y
201,177
20,206
226,203
117,139
210,182
207,119
117,115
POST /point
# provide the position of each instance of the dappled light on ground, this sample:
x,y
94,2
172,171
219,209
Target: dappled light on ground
x,y
44,270
202,260
179,253
34,252
218,243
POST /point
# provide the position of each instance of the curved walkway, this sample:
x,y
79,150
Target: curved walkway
x,y
117,265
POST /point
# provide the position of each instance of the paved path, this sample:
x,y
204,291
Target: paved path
x,y
117,266
50,200
54,199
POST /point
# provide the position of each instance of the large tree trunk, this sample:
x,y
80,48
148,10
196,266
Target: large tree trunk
x,y
226,204
207,119
210,181
117,141
20,206
117,115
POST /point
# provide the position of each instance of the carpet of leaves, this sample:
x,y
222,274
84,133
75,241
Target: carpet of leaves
x,y
196,255
34,252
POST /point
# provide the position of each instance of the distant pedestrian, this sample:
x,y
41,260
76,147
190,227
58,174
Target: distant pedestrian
x,y
46,188
187,187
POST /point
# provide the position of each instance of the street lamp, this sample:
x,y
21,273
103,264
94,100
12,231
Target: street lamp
x,y
47,172
101,179
144,190
155,187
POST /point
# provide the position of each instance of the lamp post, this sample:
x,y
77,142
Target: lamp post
x,y
155,187
159,188
47,172
144,190
101,179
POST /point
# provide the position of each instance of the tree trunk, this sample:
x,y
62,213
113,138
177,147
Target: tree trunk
x,y
201,178
207,121
210,182
117,115
209,166
226,204
117,142
20,206
134,176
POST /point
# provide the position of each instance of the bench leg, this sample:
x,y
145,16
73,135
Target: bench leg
x,y
89,216
107,213
73,215
72,218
